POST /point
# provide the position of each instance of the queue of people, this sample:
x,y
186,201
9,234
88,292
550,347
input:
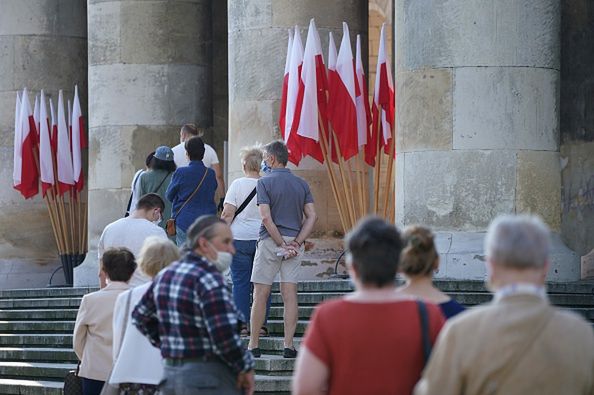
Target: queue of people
x,y
177,313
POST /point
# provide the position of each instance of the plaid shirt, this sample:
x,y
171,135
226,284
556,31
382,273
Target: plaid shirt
x,y
188,312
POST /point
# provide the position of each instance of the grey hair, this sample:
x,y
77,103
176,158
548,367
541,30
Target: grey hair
x,y
203,226
518,241
251,157
279,150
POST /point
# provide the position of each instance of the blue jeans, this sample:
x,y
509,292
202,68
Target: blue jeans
x,y
241,273
204,378
180,236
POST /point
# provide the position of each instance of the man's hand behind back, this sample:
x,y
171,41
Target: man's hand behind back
x,y
245,381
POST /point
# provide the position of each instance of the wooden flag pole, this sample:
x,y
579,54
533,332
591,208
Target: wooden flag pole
x,y
388,192
378,164
346,185
328,162
361,185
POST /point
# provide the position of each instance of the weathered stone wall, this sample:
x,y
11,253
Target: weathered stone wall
x,y
478,118
257,53
42,46
577,124
149,72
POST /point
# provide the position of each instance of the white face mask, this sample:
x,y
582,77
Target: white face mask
x,y
223,260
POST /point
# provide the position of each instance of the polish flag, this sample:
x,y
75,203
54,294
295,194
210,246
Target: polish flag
x,y
283,106
18,145
293,113
362,99
383,96
78,141
344,99
25,174
63,156
46,165
332,82
54,127
311,83
36,114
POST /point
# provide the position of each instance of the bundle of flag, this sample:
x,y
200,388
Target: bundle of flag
x,y
48,151
325,114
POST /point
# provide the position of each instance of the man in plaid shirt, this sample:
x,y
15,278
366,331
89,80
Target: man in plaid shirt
x,y
188,312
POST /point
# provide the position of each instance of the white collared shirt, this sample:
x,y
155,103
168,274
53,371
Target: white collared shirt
x,y
520,289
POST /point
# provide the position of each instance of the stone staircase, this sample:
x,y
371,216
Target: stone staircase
x,y
36,330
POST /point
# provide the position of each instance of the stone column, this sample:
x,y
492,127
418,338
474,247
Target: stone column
x,y
257,52
478,122
43,45
149,72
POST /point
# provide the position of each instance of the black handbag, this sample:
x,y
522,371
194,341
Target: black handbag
x,y
73,382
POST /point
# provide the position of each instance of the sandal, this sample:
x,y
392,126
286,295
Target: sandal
x,y
263,331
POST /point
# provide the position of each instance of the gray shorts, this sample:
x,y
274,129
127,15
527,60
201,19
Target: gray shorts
x,y
267,264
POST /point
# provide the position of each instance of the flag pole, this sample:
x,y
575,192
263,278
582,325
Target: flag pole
x,y
361,184
346,185
378,164
388,192
328,162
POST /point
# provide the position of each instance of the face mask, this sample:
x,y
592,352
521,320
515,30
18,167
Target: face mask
x,y
158,220
264,168
223,260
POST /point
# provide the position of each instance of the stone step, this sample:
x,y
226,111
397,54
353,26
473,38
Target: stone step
x,y
49,354
273,345
42,370
274,365
36,326
580,287
264,385
30,387
36,339
40,315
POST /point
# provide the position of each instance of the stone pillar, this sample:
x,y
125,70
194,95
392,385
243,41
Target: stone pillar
x,y
149,73
257,52
42,46
478,122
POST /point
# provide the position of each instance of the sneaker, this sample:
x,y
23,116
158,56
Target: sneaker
x,y
256,352
289,353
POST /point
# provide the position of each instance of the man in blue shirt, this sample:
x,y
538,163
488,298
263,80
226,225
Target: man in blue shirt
x,y
192,190
288,216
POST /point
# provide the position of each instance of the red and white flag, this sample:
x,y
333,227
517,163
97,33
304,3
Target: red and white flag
x,y
343,99
53,127
36,114
79,142
63,155
293,106
46,165
383,96
283,106
311,83
362,99
25,174
18,144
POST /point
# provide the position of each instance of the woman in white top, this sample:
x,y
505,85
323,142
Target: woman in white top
x,y
138,366
245,226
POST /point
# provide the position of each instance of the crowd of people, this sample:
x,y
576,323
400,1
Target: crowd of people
x,y
166,320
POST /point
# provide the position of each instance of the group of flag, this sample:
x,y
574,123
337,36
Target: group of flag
x,y
48,145
329,103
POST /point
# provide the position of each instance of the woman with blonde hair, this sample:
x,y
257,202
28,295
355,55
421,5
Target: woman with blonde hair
x,y
129,345
241,213
418,260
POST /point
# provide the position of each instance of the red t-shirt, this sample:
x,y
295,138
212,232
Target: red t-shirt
x,y
371,348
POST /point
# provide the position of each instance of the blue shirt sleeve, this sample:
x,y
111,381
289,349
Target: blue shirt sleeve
x,y
262,195
308,196
173,187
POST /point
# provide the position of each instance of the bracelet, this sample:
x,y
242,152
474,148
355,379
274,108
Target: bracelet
x,y
300,244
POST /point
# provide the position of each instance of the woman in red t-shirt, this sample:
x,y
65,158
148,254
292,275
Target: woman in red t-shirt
x,y
369,342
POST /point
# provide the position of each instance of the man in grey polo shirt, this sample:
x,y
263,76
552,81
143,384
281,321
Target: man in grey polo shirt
x,y
288,216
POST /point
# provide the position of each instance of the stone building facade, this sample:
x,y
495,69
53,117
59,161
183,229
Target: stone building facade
x,y
494,109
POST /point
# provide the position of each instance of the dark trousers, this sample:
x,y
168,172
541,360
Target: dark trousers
x,y
241,274
92,387
204,378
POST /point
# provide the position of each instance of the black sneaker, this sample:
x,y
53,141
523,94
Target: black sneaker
x,y
256,352
289,353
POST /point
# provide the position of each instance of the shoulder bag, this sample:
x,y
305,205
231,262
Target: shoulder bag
x,y
73,382
114,389
170,224
425,338
245,203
